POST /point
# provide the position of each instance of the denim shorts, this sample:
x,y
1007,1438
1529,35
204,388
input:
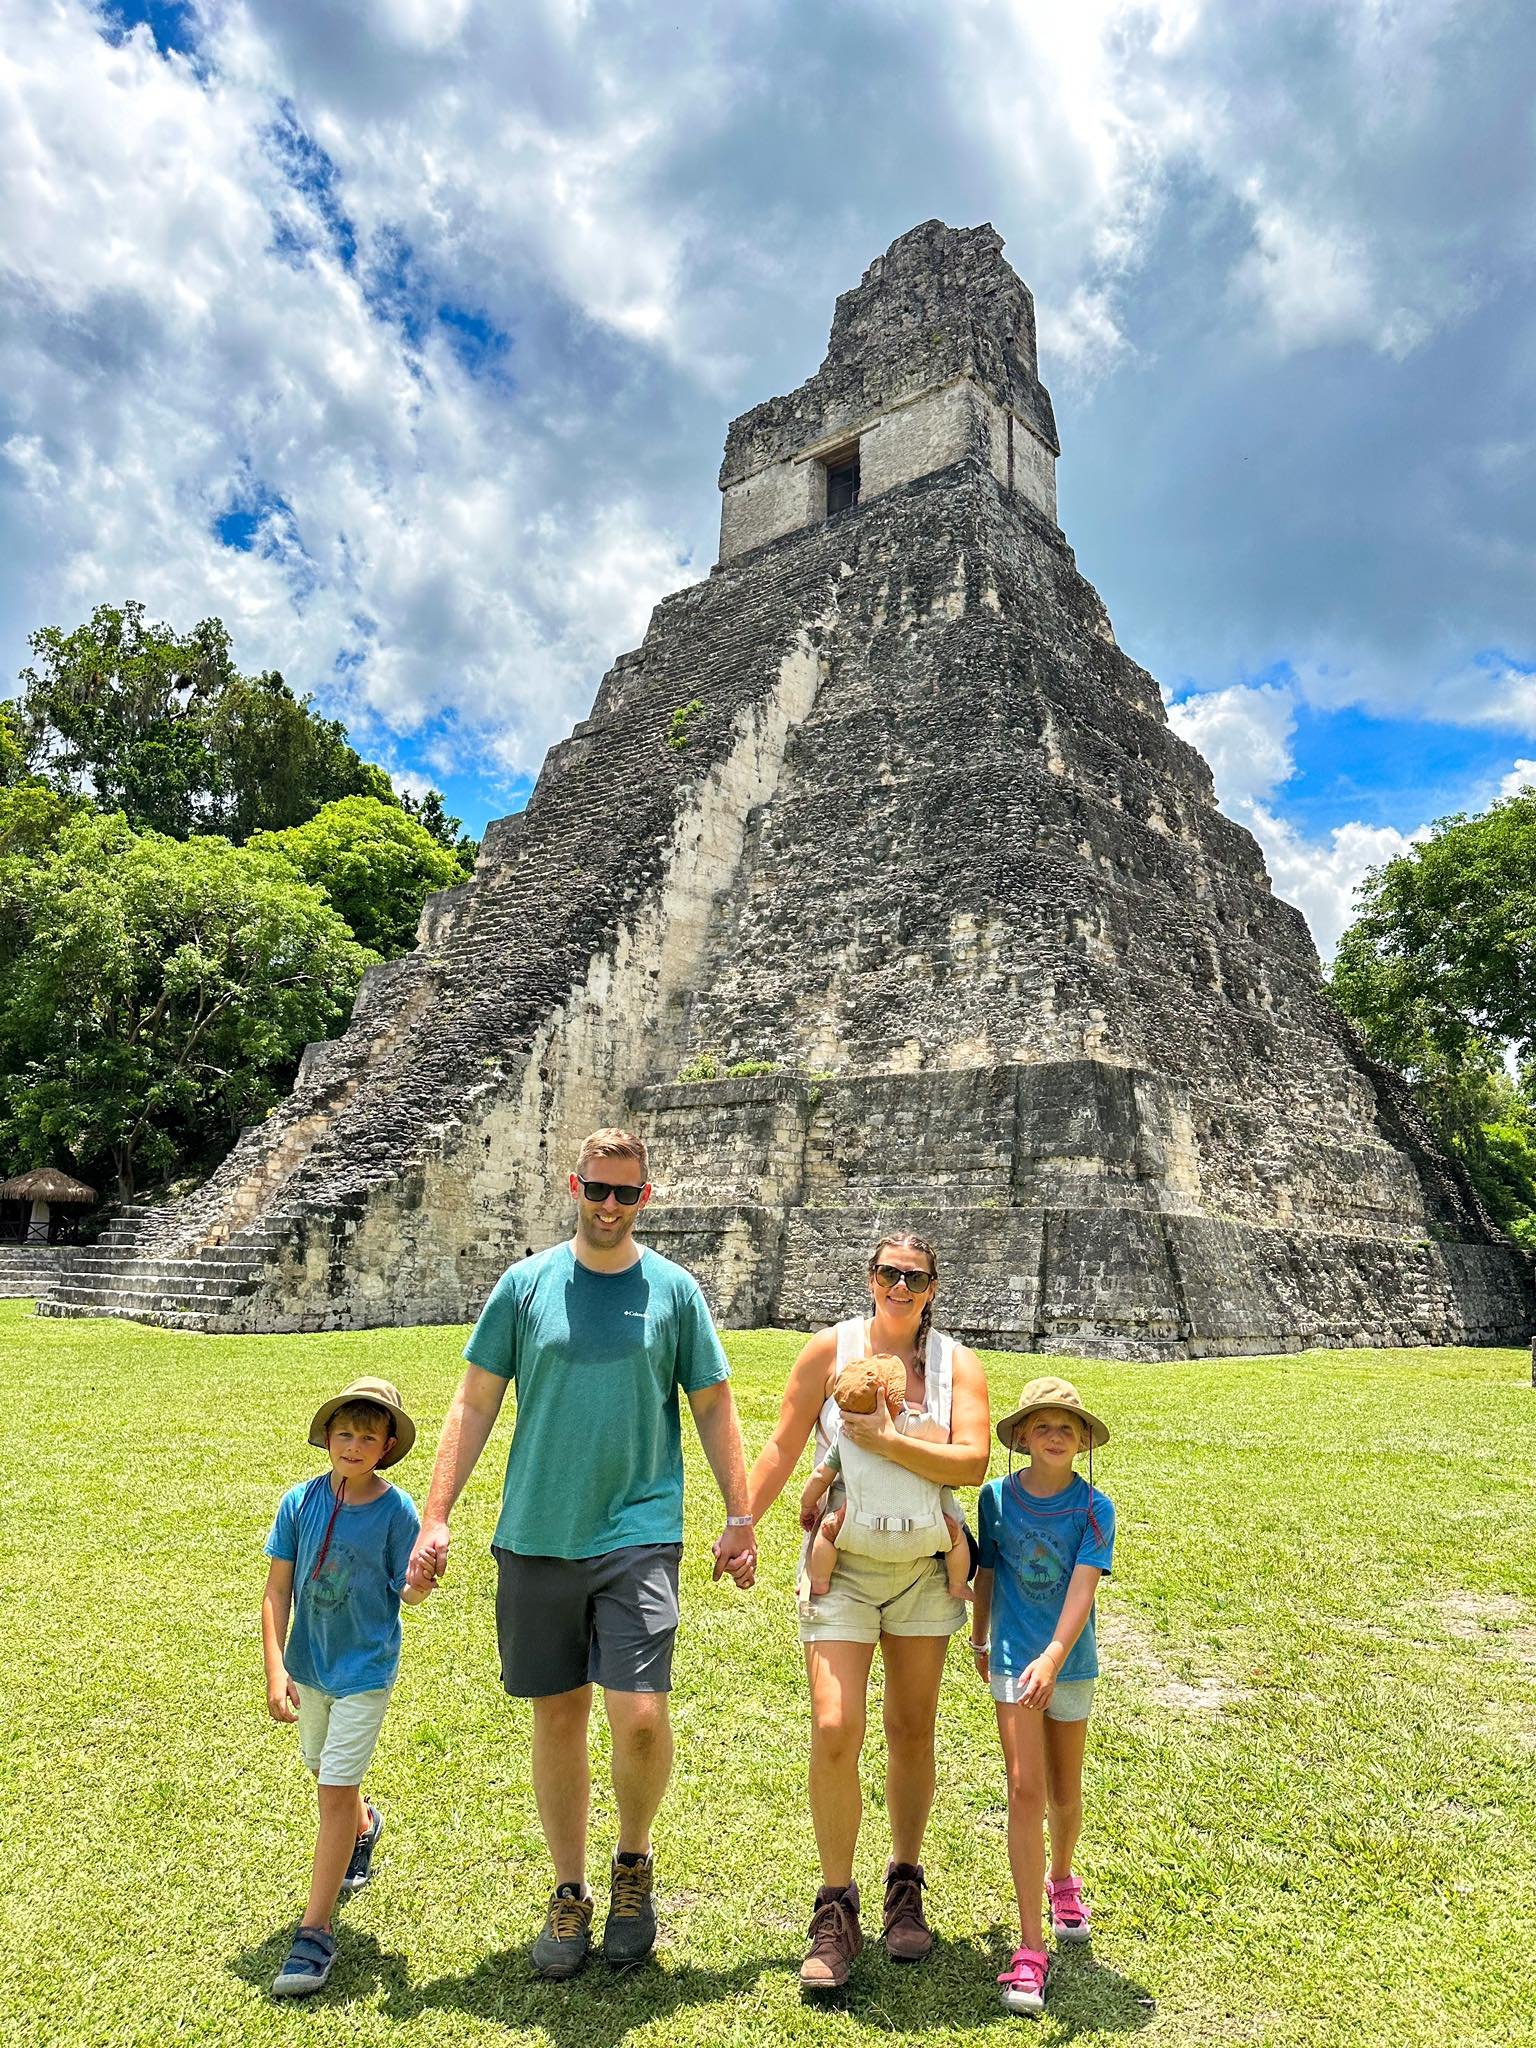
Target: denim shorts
x,y
1071,1699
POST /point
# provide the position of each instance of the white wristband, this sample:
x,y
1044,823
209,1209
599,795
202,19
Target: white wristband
x,y
738,1521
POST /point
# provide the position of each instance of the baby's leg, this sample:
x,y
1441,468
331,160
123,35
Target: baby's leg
x,y
957,1562
823,1559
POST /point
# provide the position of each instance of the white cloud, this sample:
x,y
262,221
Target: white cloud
x,y
166,363
1522,775
1245,732
1321,877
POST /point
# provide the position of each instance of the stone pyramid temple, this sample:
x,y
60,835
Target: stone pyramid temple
x,y
881,833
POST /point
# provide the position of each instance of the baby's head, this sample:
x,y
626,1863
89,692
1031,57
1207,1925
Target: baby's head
x,y
860,1384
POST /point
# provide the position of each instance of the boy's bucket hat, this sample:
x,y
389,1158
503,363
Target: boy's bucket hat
x,y
1051,1393
383,1395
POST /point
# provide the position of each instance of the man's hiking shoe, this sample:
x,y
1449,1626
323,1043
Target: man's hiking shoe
x,y
561,1948
908,1937
836,1938
1070,1918
629,1933
360,1869
310,1961
1023,1981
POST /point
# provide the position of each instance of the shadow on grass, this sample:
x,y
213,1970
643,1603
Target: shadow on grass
x,y
597,2006
361,1967
957,1987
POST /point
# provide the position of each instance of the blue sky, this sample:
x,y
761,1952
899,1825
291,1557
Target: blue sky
x,y
403,334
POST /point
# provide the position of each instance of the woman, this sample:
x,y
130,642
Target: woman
x,y
904,1607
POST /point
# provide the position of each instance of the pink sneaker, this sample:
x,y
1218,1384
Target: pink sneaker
x,y
1023,1981
1070,1918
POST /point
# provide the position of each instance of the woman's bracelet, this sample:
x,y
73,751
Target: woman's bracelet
x,y
977,1646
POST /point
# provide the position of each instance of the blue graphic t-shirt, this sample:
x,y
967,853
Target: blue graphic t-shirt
x,y
598,1360
1032,1546
345,1635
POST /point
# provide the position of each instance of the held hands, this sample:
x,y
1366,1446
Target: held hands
x,y
429,1558
282,1698
735,1555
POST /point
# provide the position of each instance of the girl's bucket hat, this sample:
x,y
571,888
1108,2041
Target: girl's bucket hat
x,y
1051,1393
383,1395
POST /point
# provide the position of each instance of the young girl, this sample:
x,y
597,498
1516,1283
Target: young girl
x,y
1047,1537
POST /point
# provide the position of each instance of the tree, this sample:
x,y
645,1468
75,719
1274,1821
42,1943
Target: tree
x,y
375,865
157,995
13,752
431,812
1439,975
163,727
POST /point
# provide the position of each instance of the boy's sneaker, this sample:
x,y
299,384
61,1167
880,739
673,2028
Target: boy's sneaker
x,y
1023,1981
836,1938
562,1946
908,1937
310,1961
1070,1918
629,1933
360,1869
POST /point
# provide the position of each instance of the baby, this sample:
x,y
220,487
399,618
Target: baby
x,y
888,1511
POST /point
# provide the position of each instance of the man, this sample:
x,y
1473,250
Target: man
x,y
598,1334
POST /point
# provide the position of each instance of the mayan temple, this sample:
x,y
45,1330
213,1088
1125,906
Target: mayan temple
x,y
880,811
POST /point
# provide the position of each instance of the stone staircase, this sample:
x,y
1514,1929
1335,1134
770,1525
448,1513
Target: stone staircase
x,y
126,1274
32,1269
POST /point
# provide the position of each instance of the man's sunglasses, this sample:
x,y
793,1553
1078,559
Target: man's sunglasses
x,y
917,1283
600,1190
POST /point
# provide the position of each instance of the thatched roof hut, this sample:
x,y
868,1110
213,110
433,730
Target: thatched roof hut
x,y
45,1184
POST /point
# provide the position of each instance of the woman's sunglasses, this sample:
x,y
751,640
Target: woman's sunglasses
x,y
600,1190
917,1283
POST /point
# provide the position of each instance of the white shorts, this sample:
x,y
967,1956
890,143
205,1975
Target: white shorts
x,y
337,1735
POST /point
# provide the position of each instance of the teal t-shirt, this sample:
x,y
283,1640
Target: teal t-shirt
x,y
598,1360
1033,1546
345,1636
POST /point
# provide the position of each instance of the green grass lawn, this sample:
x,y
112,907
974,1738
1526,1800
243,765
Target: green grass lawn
x,y
1311,1781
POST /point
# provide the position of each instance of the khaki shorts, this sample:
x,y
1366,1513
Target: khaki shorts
x,y
874,1596
337,1733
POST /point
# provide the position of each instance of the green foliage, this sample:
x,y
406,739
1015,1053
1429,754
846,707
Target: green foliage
x,y
748,1070
163,727
704,1066
1439,975
376,866
13,750
431,813
156,993
678,736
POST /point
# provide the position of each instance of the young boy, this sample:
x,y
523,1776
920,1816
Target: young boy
x,y
339,1549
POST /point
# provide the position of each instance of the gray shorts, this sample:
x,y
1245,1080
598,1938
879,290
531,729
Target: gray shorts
x,y
1071,1698
566,1622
